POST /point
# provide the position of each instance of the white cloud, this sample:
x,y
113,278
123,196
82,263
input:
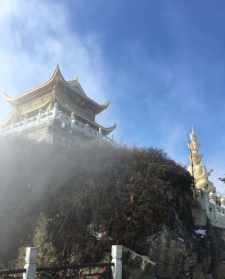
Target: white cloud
x,y
6,8
35,36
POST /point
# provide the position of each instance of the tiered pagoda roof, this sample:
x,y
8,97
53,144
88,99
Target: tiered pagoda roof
x,y
69,95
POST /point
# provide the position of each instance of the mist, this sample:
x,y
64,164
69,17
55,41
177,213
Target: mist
x,y
30,172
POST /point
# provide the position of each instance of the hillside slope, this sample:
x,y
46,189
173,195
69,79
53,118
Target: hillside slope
x,y
74,204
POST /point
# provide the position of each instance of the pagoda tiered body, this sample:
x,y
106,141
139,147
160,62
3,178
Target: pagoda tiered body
x,y
196,167
212,205
56,111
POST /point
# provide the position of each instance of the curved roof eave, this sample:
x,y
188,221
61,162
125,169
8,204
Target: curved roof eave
x,y
57,75
108,130
98,107
103,107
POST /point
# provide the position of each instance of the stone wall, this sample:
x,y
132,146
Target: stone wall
x,y
208,207
136,266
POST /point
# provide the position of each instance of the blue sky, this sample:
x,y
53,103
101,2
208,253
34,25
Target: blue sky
x,y
161,64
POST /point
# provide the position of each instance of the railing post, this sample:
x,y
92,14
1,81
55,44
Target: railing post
x,y
30,263
117,261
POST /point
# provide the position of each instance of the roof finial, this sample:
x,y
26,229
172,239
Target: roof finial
x,y
193,130
193,135
57,74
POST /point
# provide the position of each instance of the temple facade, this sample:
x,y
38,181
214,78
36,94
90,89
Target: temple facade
x,y
57,111
212,205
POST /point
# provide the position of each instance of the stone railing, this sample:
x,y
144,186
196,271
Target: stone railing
x,y
41,117
31,270
216,214
211,205
69,123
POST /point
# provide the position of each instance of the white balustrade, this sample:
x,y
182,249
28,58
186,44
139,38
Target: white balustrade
x,y
49,116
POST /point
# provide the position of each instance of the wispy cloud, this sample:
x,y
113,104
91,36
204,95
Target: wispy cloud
x,y
158,90
35,36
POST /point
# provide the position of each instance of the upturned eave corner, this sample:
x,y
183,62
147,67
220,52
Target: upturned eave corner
x,y
6,97
56,76
108,130
102,107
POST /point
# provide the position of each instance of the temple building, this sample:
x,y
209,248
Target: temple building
x,y
56,111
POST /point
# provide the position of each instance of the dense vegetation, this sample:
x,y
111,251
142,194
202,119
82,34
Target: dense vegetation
x,y
73,205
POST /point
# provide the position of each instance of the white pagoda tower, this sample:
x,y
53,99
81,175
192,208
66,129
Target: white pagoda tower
x,y
211,205
196,166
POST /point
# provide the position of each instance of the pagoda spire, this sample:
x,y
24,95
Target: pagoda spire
x,y
194,144
196,167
